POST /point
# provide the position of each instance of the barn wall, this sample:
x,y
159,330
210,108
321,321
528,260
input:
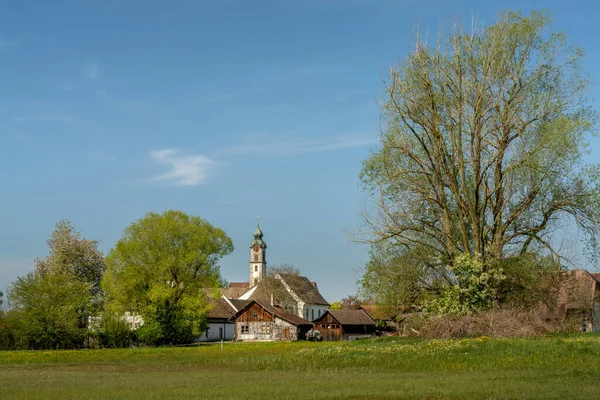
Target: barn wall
x,y
330,329
263,326
267,330
596,310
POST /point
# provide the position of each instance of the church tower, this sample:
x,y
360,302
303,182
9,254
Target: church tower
x,y
258,257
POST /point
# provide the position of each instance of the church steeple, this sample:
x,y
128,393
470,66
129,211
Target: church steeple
x,y
258,258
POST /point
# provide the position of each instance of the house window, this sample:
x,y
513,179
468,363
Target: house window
x,y
266,329
245,329
255,313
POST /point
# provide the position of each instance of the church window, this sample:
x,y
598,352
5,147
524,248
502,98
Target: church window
x,y
319,312
245,329
255,268
313,314
255,257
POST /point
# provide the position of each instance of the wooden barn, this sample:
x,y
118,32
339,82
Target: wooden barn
x,y
345,324
262,322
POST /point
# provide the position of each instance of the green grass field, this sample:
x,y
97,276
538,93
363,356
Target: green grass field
x,y
557,367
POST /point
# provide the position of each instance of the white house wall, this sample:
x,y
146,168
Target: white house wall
x,y
214,331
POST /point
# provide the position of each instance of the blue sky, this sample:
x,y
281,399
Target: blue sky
x,y
223,109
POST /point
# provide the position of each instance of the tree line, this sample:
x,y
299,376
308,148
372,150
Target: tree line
x,y
164,269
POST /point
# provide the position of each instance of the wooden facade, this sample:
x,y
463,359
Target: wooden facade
x,y
345,325
268,323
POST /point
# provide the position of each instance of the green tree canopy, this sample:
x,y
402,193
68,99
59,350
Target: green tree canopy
x,y
162,268
49,310
71,253
482,149
51,305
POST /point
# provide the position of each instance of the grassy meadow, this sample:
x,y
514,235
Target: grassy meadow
x,y
554,367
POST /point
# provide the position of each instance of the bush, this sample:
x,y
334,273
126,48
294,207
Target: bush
x,y
113,331
8,331
474,288
503,322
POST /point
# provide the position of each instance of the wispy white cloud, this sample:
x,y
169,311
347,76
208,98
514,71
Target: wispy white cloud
x,y
91,70
295,146
183,169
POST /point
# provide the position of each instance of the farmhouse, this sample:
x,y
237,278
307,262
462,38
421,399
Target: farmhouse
x,y
579,299
345,324
258,321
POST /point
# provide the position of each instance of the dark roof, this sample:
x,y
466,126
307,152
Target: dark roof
x,y
233,292
239,304
304,289
269,286
278,312
596,276
349,317
222,310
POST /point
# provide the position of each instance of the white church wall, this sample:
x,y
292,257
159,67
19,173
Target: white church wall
x,y
314,311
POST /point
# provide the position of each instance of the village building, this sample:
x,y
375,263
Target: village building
x,y
294,293
220,324
345,325
267,322
579,299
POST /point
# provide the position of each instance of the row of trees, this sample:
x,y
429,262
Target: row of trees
x,y
481,164
164,269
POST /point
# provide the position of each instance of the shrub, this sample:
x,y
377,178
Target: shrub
x,y
113,331
474,288
502,322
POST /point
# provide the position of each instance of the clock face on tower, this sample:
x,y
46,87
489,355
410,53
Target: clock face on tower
x,y
256,248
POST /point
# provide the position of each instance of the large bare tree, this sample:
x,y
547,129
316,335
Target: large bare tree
x,y
482,145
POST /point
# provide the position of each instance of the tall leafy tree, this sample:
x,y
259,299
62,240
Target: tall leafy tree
x,y
71,253
482,148
52,304
161,269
